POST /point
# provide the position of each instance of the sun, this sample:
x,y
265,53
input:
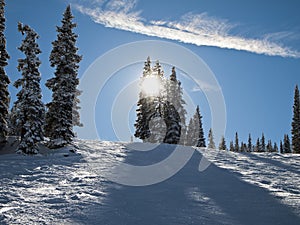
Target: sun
x,y
151,85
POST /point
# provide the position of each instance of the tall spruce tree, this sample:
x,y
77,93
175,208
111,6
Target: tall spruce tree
x,y
174,94
142,130
249,146
190,136
199,129
236,143
4,80
150,125
257,147
231,146
296,122
275,147
281,147
222,145
211,142
62,114
30,108
286,144
262,143
195,133
269,146
172,121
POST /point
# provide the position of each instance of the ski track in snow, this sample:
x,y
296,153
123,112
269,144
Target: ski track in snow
x,y
55,189
278,173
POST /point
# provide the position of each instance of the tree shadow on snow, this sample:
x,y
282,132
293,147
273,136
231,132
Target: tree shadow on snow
x,y
214,196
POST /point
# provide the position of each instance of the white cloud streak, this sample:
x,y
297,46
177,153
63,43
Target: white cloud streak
x,y
199,29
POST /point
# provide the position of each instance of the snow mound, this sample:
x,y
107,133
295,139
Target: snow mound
x,y
51,188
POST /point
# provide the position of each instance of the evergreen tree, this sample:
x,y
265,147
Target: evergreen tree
x,y
30,109
211,142
241,146
269,146
155,107
4,80
275,147
157,126
150,124
231,146
281,147
262,143
157,70
172,121
195,134
296,122
236,145
286,144
257,147
142,130
245,149
249,147
174,95
190,138
62,114
222,145
199,129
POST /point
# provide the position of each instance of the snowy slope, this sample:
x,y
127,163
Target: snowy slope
x,y
60,187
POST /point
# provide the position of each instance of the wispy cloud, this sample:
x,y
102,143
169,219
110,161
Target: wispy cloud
x,y
204,86
197,29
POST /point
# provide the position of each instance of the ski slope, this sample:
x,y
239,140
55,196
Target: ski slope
x,y
61,187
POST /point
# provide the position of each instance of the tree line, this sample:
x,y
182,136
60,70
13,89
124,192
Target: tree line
x,y
161,118
29,118
286,145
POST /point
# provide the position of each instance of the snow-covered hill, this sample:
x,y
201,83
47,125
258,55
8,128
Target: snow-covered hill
x,y
61,187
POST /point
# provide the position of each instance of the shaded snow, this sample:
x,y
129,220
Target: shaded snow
x,y
277,173
61,187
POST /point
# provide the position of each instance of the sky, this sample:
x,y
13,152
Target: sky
x,y
245,54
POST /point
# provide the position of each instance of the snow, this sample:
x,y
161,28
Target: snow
x,y
62,187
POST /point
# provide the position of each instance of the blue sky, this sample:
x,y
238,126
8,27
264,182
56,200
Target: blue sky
x,y
252,48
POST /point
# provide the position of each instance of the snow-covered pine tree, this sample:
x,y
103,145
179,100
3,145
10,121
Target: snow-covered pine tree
x,y
62,114
281,147
156,120
150,126
249,146
155,103
286,144
195,134
257,146
211,142
200,139
172,121
190,136
296,122
222,145
275,147
236,143
4,80
141,125
174,94
29,106
231,146
262,143
269,146
242,147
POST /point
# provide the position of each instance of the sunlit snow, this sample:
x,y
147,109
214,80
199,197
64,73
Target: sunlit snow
x,y
61,187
